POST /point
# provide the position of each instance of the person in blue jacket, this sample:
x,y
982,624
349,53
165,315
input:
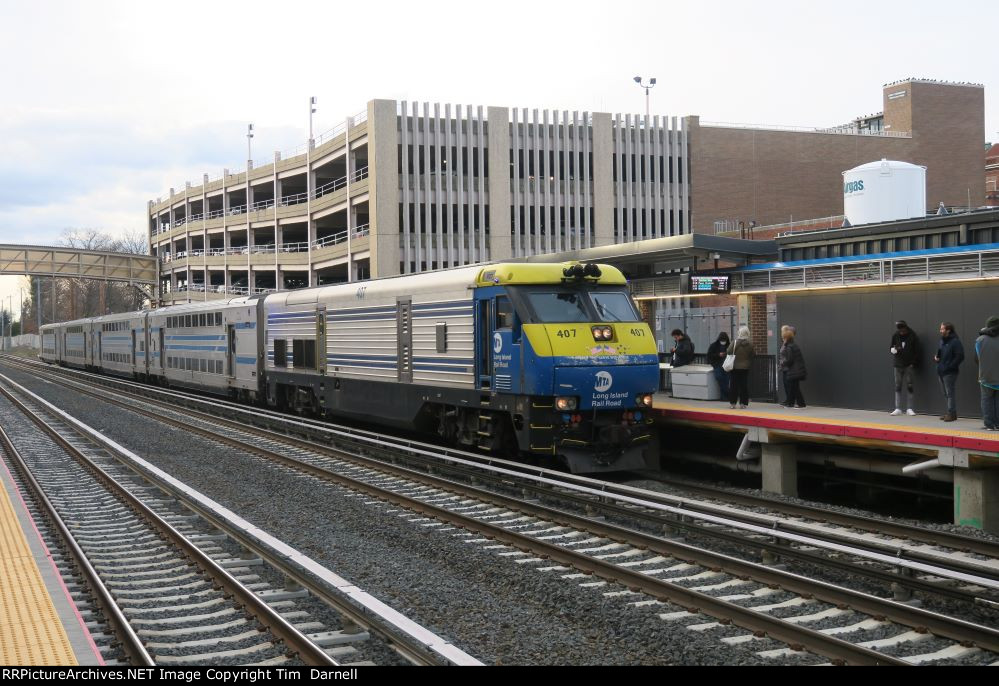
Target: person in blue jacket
x,y
950,355
987,357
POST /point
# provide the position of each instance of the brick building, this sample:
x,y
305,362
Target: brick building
x,y
772,175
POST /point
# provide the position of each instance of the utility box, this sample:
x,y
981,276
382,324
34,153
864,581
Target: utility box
x,y
695,382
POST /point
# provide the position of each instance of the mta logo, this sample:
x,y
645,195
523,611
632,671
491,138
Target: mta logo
x,y
604,382
497,342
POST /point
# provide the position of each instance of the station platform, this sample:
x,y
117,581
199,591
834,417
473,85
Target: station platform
x,y
39,624
920,443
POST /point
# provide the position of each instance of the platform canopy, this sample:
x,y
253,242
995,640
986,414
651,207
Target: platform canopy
x,y
674,252
31,260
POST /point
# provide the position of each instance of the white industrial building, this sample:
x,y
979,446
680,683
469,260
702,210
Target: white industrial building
x,y
408,187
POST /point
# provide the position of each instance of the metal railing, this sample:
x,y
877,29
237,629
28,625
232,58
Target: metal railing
x,y
232,290
293,247
327,136
330,187
296,199
723,226
341,237
962,264
332,239
286,201
267,249
837,130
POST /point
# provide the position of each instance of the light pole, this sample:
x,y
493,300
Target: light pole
x,y
312,110
647,87
249,146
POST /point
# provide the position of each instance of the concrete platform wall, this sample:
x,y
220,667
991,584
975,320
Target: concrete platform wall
x,y
845,336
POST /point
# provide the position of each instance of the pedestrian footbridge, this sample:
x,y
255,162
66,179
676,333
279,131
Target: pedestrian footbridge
x,y
30,260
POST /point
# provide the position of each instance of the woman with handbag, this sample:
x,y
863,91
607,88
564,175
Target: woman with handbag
x,y
792,366
740,361
717,354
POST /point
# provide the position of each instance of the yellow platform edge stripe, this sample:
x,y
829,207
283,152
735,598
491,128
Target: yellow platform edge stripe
x,y
31,632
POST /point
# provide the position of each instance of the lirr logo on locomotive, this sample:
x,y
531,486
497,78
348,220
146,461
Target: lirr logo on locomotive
x,y
604,382
497,342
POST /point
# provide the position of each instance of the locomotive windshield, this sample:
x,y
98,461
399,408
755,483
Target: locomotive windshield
x,y
570,305
561,307
614,306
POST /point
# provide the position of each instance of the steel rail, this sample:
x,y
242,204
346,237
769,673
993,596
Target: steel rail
x,y
909,531
127,637
683,522
786,632
295,640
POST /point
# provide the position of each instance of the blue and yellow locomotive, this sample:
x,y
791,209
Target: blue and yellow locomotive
x,y
566,341
549,359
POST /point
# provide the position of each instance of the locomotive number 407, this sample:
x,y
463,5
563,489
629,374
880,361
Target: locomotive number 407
x,y
566,333
637,332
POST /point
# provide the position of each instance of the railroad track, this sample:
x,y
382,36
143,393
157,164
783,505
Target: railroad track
x,y
905,558
177,579
741,600
886,534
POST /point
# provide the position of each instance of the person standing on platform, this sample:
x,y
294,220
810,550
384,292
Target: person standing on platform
x,y
905,350
717,352
792,366
683,349
949,357
987,357
739,381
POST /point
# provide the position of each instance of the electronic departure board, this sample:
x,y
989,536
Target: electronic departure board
x,y
720,283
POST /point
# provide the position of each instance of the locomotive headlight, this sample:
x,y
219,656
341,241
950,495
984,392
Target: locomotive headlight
x,y
565,403
602,333
644,400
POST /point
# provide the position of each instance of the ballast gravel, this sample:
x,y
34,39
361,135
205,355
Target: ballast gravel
x,y
490,606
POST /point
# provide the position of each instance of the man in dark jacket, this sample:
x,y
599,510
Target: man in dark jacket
x,y
987,357
683,350
717,352
905,350
949,357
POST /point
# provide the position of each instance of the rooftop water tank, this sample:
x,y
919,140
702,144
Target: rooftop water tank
x,y
884,191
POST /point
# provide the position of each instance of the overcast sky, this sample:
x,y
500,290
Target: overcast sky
x,y
105,105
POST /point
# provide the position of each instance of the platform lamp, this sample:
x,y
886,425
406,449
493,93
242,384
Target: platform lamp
x,y
249,147
312,111
651,84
